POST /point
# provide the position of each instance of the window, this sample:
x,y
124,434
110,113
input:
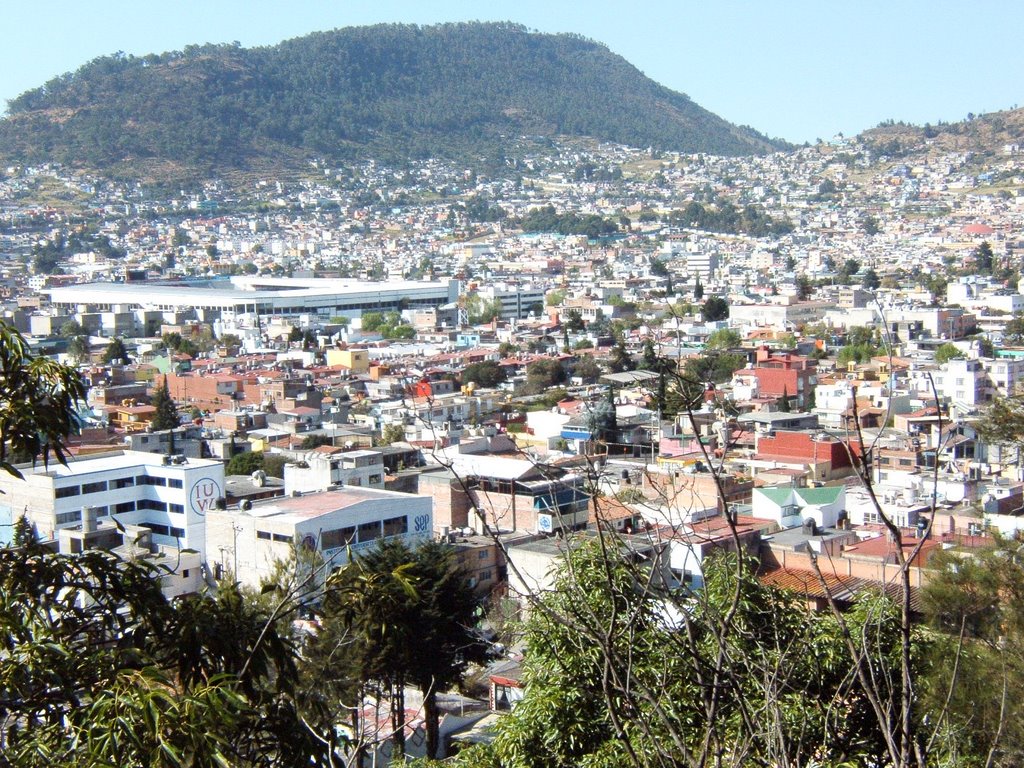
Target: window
x,y
396,526
100,511
484,554
66,491
157,528
178,533
174,483
369,531
339,537
184,573
63,518
126,506
485,575
374,478
98,487
156,506
178,509
150,480
282,537
124,482
263,535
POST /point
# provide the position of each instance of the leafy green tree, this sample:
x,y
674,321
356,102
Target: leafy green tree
x,y
480,310
783,404
71,328
372,321
166,416
856,353
486,374
723,338
1014,330
715,308
116,352
850,268
983,258
392,433
244,463
649,356
978,675
79,349
23,533
315,441
947,352
198,682
804,288
586,368
936,286
574,321
411,615
544,373
610,679
39,401
1002,423
871,280
620,360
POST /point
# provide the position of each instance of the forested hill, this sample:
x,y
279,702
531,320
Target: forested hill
x,y
387,90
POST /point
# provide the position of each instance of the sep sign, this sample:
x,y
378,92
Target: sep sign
x,y
204,494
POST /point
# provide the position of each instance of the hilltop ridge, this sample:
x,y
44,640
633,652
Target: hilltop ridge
x,y
391,90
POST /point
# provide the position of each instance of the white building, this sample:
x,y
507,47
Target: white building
x,y
516,302
169,495
319,471
257,295
250,542
964,382
1005,374
789,507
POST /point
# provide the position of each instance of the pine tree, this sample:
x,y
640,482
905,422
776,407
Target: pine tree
x,y
116,352
23,534
166,416
784,401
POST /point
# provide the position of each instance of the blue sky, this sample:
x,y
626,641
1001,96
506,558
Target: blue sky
x,y
796,69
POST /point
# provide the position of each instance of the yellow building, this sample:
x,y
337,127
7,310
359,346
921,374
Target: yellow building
x,y
356,360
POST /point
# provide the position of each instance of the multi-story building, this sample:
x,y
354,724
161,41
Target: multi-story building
x,y
250,542
783,375
964,382
169,495
516,302
506,494
257,296
327,467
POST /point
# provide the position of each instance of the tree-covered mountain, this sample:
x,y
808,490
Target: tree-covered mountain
x,y
387,90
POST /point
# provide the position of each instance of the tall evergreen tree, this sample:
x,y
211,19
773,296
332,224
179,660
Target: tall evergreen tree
x,y
116,352
409,618
166,416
